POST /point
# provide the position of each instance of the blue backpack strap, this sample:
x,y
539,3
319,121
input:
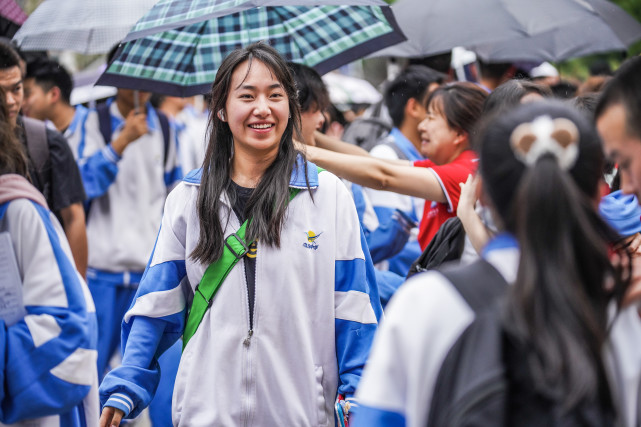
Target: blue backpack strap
x,y
164,126
104,121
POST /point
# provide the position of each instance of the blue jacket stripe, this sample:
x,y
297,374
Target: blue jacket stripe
x,y
374,417
138,376
98,172
31,390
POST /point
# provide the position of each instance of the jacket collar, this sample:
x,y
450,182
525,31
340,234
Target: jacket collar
x,y
297,178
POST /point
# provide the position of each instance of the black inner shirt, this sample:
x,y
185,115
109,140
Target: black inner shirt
x,y
242,196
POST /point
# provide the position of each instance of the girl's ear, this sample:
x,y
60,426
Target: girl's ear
x,y
221,115
462,138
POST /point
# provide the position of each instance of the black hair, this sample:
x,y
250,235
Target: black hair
x,y
12,156
586,104
268,202
509,94
556,310
460,103
625,89
412,83
494,70
156,100
9,58
564,89
48,73
310,88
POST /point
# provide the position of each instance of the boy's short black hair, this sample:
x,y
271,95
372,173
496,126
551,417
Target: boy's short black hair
x,y
48,73
412,82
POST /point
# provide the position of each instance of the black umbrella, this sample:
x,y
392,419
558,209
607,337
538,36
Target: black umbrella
x,y
437,26
616,31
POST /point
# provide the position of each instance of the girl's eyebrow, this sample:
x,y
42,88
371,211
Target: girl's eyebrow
x,y
251,87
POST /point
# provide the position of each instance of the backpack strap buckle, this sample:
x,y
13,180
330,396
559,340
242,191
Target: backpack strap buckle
x,y
240,254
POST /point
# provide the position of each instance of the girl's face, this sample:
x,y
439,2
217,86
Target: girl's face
x,y
256,110
438,139
311,121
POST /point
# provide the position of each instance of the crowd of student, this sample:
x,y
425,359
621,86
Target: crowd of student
x,y
514,215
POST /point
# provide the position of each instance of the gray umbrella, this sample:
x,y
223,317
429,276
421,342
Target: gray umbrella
x,y
437,26
85,26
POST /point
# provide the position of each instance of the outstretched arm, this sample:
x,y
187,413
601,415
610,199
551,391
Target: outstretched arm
x,y
380,174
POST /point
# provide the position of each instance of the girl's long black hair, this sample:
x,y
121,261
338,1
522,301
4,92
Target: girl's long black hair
x,y
12,156
556,310
269,200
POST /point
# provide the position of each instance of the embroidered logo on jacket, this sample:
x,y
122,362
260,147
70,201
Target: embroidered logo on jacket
x,y
311,240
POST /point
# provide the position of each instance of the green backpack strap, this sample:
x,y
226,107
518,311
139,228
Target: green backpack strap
x,y
234,250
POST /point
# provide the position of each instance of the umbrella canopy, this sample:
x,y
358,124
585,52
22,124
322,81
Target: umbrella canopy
x,y
85,26
614,32
11,17
182,60
10,10
437,26
347,90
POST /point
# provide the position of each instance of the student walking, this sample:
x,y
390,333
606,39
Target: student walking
x,y
289,330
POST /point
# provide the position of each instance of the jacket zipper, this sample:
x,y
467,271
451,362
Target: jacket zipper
x,y
247,350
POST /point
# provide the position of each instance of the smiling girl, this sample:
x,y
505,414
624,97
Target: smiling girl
x,y
452,113
290,328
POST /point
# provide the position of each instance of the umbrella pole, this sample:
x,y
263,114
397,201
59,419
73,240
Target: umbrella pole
x,y
136,102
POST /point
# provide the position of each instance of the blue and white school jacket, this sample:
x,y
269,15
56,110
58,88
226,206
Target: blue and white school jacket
x,y
125,194
48,358
315,314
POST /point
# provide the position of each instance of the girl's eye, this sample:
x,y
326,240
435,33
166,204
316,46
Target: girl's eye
x,y
245,96
277,95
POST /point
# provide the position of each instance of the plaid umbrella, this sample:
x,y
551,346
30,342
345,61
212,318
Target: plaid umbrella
x,y
85,26
196,36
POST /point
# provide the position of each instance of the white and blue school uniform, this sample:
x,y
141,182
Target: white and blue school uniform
x,y
316,310
397,385
422,322
125,198
387,202
48,357
383,240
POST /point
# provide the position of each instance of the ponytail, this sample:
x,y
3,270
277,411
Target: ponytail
x,y
557,307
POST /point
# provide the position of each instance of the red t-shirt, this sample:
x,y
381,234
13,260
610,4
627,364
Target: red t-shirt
x,y
449,175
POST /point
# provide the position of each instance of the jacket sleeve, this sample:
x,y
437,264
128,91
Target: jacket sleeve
x,y
97,160
156,319
173,170
357,304
49,357
384,239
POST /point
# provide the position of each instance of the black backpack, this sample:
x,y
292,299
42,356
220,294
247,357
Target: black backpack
x,y
484,380
447,245
471,387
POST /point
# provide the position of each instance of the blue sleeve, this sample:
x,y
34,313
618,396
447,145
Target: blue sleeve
x,y
368,416
356,327
145,336
99,171
388,282
173,171
390,237
43,354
